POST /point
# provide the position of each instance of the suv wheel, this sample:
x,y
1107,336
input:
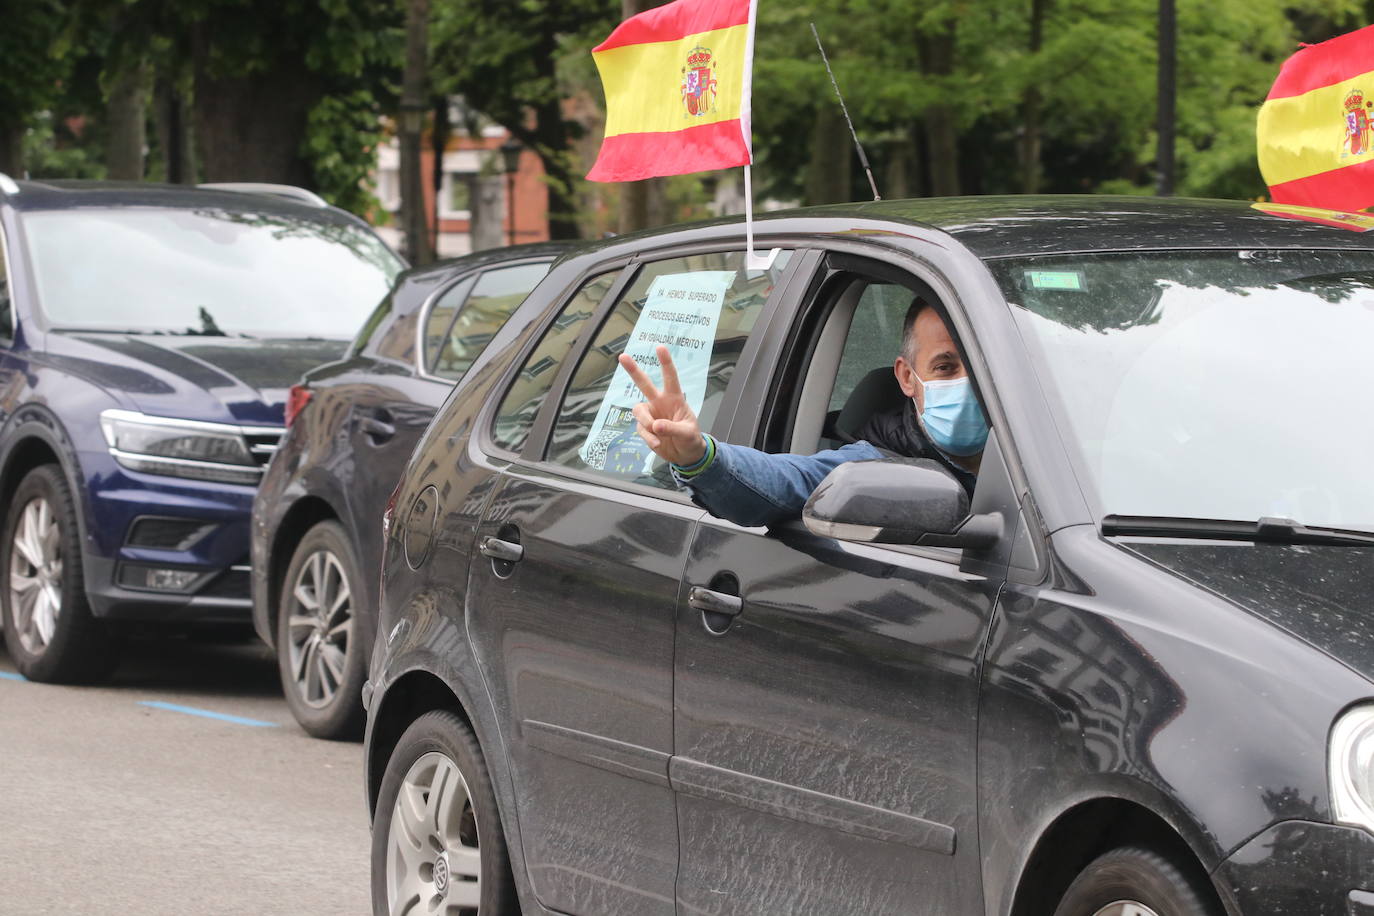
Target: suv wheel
x,y
322,637
1136,882
49,629
437,842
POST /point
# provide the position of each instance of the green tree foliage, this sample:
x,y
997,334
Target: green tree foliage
x,y
281,90
341,139
33,64
912,67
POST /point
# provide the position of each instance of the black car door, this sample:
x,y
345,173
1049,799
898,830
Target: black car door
x,y
419,359
825,735
572,609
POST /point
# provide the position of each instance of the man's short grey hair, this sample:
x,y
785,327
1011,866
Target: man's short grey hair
x,y
917,306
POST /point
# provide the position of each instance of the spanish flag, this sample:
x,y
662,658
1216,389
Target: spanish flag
x,y
1316,129
677,81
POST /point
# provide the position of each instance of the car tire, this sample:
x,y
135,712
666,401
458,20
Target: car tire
x,y
413,829
50,631
323,635
1133,881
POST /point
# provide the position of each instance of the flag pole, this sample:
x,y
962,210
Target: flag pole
x,y
753,260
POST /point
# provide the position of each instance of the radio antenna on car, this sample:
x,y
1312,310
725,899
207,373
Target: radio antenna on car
x,y
863,160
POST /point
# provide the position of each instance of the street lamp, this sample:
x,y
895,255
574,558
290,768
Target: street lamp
x,y
510,161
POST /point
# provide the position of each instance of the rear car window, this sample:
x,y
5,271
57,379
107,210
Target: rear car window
x,y
494,299
515,415
703,308
440,319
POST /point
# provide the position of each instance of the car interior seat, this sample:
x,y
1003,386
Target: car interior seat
x,y
876,392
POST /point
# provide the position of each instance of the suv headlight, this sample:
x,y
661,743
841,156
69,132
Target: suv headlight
x,y
1352,767
181,448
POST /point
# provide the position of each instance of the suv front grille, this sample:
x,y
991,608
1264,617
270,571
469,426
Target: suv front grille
x,y
262,444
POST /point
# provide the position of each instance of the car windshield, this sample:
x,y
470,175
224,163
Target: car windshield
x,y
206,271
1210,384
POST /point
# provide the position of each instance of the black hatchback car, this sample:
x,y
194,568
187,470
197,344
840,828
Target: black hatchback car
x,y
1131,675
351,426
148,335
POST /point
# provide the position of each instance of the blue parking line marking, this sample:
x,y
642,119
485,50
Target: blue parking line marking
x,y
11,676
192,711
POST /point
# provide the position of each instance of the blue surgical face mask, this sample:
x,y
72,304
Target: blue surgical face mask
x,y
952,418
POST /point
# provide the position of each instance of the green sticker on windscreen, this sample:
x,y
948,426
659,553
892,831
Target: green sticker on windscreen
x,y
1055,279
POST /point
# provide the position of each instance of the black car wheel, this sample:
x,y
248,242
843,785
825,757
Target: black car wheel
x,y
437,842
1136,882
322,636
49,629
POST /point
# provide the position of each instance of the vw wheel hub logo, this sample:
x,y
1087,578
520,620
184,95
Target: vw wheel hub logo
x,y
441,874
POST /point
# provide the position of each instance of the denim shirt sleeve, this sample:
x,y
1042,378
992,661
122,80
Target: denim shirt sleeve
x,y
749,487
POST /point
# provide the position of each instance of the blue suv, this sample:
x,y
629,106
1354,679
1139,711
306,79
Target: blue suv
x,y
148,336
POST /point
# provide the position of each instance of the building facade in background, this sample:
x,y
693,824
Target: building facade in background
x,y
478,204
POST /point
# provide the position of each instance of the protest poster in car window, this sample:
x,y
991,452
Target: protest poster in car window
x,y
702,307
681,313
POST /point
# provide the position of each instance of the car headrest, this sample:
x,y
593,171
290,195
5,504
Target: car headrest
x,y
876,393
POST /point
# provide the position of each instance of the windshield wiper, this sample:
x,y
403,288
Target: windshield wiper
x,y
1266,530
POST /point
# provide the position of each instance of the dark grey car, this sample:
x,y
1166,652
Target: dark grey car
x,y
351,426
1130,676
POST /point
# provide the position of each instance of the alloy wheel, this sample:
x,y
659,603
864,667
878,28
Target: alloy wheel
x,y
433,863
36,575
320,627
1125,908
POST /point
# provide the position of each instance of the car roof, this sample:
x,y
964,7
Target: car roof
x,y
486,257
70,194
995,227
1009,226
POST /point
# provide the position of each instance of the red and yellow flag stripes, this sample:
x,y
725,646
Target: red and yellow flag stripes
x,y
1316,129
677,91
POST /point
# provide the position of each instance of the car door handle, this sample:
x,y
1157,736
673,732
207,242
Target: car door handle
x,y
713,602
498,549
377,430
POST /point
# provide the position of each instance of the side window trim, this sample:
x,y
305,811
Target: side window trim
x,y
421,356
482,434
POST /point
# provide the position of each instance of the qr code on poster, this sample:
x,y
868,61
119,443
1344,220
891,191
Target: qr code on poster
x,y
594,450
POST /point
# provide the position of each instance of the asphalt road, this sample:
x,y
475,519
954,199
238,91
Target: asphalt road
x,y
109,805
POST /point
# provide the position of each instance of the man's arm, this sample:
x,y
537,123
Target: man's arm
x,y
749,487
740,484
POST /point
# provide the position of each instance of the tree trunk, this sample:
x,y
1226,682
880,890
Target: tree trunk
x,y
250,128
829,168
413,107
941,124
126,114
12,150
551,142
440,129
173,119
641,202
1029,149
1168,29
901,164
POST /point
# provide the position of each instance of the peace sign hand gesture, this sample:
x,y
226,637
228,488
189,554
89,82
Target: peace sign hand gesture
x,y
666,423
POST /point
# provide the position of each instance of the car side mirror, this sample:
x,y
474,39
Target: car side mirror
x,y
897,501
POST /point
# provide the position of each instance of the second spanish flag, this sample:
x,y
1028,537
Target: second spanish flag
x,y
677,81
1316,129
